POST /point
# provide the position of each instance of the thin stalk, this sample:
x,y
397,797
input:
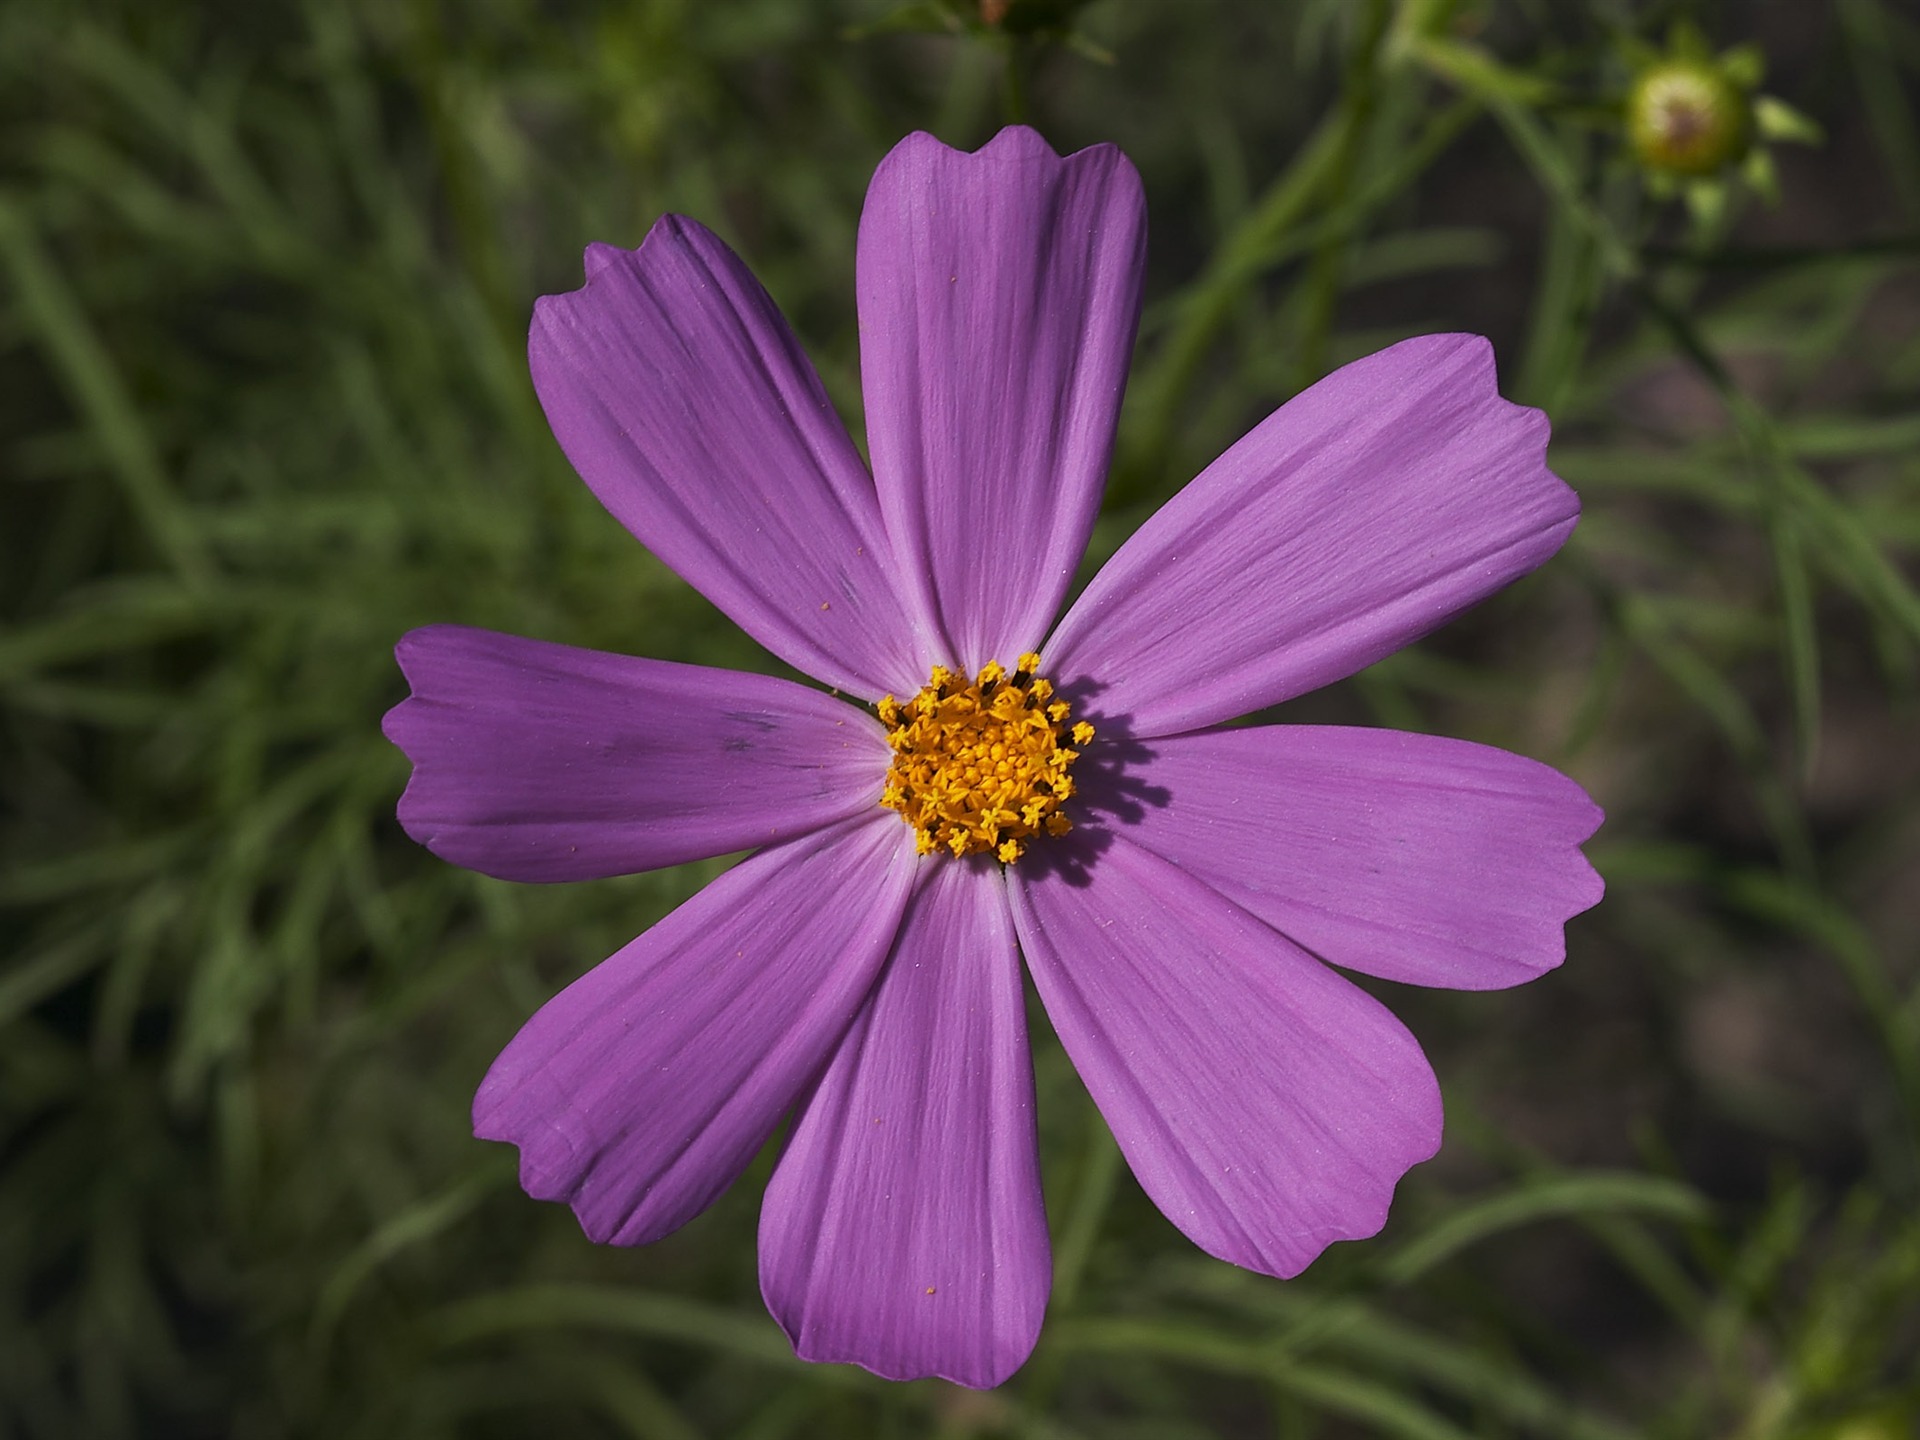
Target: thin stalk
x,y
1275,231
1014,91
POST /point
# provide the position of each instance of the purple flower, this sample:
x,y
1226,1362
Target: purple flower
x,y
864,973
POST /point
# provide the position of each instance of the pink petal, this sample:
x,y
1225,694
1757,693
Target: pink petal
x,y
681,397
904,1230
1267,1105
640,1091
534,761
1431,861
1357,517
999,292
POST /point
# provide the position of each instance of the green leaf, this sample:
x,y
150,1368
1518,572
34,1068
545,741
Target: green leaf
x,y
1554,1197
622,1311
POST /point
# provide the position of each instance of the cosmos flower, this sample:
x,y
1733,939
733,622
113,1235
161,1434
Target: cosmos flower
x,y
987,786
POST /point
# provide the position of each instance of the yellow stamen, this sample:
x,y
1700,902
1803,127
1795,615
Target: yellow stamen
x,y
982,768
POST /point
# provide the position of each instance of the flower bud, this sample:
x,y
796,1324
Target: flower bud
x,y
1686,117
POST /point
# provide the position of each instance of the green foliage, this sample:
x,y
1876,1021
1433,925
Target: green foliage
x,y
263,408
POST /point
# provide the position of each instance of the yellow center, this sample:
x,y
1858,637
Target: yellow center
x,y
981,767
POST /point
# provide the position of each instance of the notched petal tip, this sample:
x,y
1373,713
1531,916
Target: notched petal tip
x,y
539,1181
1474,355
599,254
1019,139
394,725
542,1180
403,726
1006,1366
1011,145
1023,144
1009,1349
1008,142
1581,816
1368,1207
417,643
1590,887
400,723
1365,1218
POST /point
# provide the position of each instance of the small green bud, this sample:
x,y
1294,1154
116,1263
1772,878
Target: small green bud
x,y
1686,117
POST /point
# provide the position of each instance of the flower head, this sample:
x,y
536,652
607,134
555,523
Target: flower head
x,y
1176,889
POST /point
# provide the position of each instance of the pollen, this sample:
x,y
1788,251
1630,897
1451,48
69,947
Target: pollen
x,y
982,768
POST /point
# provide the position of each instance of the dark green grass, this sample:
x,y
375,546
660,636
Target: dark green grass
x,y
263,407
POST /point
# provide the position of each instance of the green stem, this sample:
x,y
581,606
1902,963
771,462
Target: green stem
x,y
1276,230
1091,1200
1326,268
1568,285
1014,93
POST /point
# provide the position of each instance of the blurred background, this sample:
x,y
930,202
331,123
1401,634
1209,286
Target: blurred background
x,y
265,275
